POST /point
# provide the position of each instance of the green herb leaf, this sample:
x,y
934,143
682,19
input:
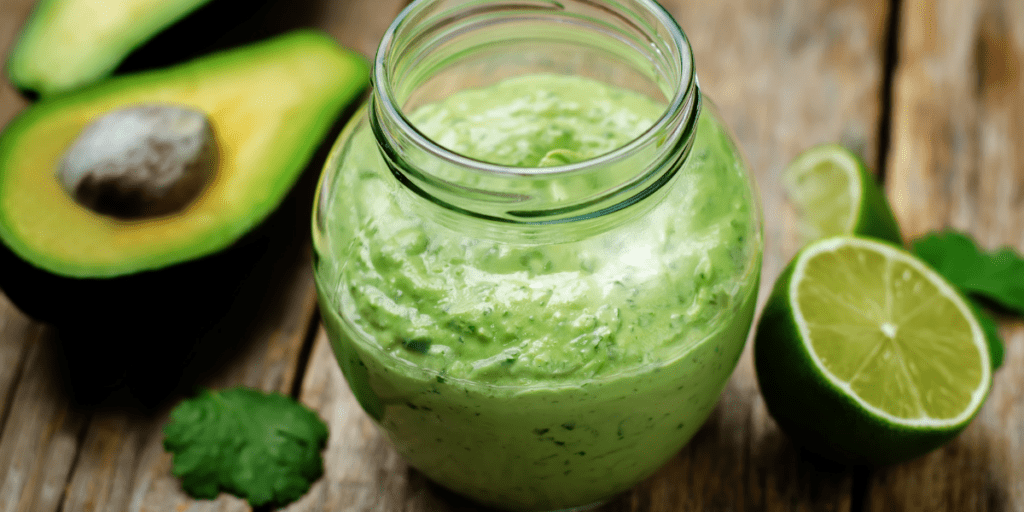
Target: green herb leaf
x,y
263,448
996,276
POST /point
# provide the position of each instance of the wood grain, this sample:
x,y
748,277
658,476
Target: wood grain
x,y
957,161
40,439
362,472
123,465
259,344
17,334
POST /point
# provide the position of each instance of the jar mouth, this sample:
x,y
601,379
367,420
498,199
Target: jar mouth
x,y
684,97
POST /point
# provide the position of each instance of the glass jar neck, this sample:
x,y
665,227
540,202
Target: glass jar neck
x,y
437,47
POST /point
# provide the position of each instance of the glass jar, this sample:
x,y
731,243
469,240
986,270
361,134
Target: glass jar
x,y
537,249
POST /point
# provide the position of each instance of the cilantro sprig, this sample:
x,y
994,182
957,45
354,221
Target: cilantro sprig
x,y
264,448
995,277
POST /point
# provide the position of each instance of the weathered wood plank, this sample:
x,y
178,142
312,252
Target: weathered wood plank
x,y
363,472
41,436
957,161
122,462
17,334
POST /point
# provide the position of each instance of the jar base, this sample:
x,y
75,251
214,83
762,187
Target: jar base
x,y
460,501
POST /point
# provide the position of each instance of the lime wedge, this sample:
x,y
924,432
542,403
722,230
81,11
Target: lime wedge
x,y
834,194
864,354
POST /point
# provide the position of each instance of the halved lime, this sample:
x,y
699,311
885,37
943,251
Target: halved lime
x,y
834,194
864,354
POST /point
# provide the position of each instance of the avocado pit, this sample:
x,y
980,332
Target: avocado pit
x,y
141,161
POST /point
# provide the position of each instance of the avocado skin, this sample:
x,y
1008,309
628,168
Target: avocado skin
x,y
136,332
194,292
216,26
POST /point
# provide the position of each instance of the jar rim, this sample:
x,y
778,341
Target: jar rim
x,y
686,91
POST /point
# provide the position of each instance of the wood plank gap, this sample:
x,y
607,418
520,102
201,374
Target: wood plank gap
x,y
890,61
41,438
302,361
18,374
751,502
859,488
79,442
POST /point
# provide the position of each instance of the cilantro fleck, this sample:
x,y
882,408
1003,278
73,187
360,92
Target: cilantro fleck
x,y
420,345
259,447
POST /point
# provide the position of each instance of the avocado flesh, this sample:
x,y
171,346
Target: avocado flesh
x,y
66,44
271,104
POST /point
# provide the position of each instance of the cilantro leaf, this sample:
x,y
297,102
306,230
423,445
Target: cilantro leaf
x,y
263,448
996,276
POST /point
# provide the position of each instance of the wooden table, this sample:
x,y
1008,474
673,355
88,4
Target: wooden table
x,y
929,92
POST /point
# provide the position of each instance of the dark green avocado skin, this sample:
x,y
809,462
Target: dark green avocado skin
x,y
150,335
215,26
136,334
191,292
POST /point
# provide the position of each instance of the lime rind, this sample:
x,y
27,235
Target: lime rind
x,y
947,291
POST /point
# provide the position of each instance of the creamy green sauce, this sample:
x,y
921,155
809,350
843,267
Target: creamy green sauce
x,y
537,121
540,376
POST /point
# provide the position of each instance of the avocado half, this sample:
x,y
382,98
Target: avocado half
x,y
66,44
271,105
